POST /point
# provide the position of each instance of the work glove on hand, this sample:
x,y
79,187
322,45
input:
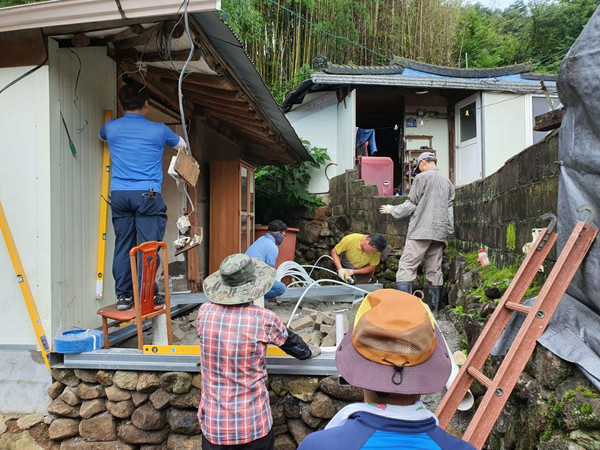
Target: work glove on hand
x,y
343,273
314,351
386,209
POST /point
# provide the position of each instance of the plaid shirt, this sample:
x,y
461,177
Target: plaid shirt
x,y
234,408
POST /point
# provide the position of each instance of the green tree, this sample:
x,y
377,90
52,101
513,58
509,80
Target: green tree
x,y
281,190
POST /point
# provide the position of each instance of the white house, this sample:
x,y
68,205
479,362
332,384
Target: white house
x,y
474,119
60,68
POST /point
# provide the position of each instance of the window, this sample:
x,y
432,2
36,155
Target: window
x,y
468,122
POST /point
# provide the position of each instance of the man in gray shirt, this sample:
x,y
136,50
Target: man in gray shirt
x,y
429,207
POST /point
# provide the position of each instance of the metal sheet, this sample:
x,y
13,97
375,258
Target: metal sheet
x,y
133,359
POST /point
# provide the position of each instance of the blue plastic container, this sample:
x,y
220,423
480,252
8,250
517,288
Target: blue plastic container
x,y
78,341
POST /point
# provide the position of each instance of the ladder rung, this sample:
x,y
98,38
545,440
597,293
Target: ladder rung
x,y
513,306
479,376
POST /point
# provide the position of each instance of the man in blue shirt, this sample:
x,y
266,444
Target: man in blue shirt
x,y
265,249
395,353
138,211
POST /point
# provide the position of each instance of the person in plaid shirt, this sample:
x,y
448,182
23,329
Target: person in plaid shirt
x,y
234,411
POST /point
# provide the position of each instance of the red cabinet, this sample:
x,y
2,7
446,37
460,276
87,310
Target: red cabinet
x,y
378,171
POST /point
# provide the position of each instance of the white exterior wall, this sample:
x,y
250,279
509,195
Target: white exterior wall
x,y
316,120
25,196
438,128
504,118
75,185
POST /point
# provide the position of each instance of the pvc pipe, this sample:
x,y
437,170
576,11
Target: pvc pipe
x,y
468,400
159,330
339,328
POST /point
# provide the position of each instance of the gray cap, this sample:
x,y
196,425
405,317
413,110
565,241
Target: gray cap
x,y
427,156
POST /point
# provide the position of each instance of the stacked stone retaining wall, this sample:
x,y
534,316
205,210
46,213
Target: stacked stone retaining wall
x,y
101,409
496,213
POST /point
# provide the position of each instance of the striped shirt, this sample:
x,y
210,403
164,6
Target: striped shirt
x,y
234,407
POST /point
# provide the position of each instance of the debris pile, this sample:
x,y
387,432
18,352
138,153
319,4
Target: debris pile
x,y
318,328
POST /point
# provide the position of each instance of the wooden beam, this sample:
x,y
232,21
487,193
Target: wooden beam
x,y
211,81
22,48
213,103
133,30
140,39
217,94
257,126
158,92
550,120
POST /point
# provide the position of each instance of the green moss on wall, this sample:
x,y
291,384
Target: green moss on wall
x,y
511,237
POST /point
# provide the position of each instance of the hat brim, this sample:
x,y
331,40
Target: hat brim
x,y
426,378
222,294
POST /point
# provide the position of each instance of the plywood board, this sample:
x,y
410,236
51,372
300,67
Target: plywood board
x,y
187,167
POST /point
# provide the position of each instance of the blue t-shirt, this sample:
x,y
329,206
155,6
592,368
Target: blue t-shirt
x,y
264,249
136,150
365,431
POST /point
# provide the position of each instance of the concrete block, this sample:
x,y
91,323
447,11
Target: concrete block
x,y
325,318
302,322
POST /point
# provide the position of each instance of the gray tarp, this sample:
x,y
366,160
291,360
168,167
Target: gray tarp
x,y
574,331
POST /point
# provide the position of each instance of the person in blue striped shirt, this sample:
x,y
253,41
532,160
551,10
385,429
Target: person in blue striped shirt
x,y
395,353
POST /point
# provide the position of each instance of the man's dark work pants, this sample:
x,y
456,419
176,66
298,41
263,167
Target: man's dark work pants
x,y
137,216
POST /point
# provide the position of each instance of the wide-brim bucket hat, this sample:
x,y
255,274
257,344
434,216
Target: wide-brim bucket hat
x,y
394,346
240,279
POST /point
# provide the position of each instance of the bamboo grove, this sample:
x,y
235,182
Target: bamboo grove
x,y
285,36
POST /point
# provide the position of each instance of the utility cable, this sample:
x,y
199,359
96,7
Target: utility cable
x,y
26,74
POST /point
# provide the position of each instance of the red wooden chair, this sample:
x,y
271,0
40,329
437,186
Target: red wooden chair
x,y
144,307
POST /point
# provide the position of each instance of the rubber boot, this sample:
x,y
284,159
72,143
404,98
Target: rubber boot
x,y
433,298
403,286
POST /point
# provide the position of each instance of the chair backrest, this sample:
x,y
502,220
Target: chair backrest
x,y
148,266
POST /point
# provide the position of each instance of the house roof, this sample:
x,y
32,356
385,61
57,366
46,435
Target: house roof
x,y
149,45
417,75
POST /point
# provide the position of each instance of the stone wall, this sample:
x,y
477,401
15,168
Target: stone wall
x,y
552,407
101,409
498,212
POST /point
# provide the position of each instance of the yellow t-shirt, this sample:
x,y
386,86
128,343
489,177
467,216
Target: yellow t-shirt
x,y
351,246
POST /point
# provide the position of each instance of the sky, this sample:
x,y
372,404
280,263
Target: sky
x,y
501,4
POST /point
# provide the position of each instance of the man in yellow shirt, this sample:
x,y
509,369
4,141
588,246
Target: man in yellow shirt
x,y
357,255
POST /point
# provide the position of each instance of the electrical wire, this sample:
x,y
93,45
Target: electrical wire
x,y
180,92
26,74
75,96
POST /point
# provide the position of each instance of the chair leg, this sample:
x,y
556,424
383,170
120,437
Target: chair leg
x,y
169,335
140,332
105,331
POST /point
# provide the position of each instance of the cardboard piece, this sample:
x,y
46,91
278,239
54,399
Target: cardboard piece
x,y
187,167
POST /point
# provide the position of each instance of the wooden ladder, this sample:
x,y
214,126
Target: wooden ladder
x,y
537,317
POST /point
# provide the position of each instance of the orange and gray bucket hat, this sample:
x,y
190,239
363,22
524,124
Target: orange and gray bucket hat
x,y
394,346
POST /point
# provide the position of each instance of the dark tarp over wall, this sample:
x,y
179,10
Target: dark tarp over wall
x,y
573,331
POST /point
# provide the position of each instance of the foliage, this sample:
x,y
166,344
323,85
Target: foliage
x,y
285,36
281,190
492,276
460,313
540,32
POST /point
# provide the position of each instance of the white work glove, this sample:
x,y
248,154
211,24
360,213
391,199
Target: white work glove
x,y
343,273
314,351
386,209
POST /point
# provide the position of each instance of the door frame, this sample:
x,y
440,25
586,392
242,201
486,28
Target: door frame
x,y
477,140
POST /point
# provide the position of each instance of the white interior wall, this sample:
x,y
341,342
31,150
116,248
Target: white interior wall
x,y
430,126
316,121
82,92
504,117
